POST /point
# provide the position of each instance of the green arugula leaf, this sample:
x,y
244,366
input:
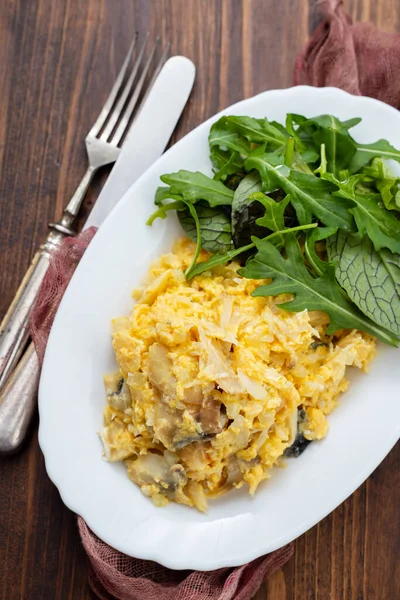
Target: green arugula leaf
x,y
164,193
195,186
224,135
225,162
289,152
220,259
309,195
258,131
274,217
280,128
366,152
300,163
215,227
163,209
317,235
179,206
385,181
342,150
290,275
305,147
371,278
305,130
371,217
216,260
333,133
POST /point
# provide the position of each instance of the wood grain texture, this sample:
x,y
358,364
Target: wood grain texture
x,y
58,60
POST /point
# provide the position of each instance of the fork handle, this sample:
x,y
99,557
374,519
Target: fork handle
x,y
18,401
75,203
14,329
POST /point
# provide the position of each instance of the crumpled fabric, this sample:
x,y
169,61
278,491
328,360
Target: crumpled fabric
x,y
128,578
355,57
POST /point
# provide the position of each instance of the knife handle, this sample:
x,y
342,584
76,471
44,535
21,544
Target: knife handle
x,y
18,401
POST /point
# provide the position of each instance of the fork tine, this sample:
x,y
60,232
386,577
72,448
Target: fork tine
x,y
116,138
117,111
114,91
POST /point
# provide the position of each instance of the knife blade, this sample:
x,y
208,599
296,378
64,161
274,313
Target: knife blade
x,y
149,134
148,138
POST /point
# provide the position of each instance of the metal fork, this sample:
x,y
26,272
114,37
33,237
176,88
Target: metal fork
x,y
103,145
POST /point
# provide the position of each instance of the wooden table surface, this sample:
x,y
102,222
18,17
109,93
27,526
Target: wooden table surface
x,y
58,60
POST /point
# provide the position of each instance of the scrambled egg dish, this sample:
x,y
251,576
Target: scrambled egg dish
x,y
216,386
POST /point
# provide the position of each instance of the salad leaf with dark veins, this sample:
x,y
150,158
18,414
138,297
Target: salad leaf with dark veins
x,y
215,227
242,197
371,278
245,224
245,211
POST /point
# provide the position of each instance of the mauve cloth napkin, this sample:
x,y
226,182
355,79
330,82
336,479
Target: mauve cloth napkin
x,y
356,58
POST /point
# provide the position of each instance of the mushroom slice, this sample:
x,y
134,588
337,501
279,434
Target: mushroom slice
x,y
166,424
236,468
162,471
182,442
169,429
160,371
118,394
210,416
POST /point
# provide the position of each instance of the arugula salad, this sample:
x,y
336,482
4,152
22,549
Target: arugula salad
x,y
305,206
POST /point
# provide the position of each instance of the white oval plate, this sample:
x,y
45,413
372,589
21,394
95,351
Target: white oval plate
x,y
237,528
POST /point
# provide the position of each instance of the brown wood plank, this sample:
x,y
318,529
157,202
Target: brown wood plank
x,y
58,61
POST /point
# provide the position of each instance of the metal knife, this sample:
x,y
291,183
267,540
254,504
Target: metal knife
x,y
147,140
